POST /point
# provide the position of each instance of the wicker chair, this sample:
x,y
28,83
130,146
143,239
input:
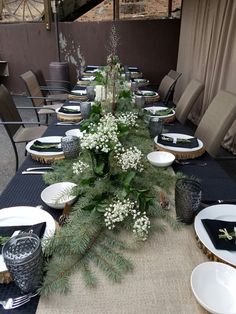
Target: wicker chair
x,y
13,123
187,100
48,103
216,121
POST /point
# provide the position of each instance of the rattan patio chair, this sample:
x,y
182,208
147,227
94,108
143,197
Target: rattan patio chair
x,y
15,127
187,100
46,103
175,76
216,121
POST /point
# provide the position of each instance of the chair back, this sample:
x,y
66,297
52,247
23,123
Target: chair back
x,y
187,100
8,111
33,87
164,89
174,75
216,121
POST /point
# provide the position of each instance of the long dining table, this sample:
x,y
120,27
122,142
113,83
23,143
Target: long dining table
x,y
160,281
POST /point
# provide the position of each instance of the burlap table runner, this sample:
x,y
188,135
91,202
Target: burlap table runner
x,y
159,284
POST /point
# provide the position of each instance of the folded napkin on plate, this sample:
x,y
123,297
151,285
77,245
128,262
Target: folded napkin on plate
x,y
140,93
7,231
212,227
47,147
179,142
64,109
162,112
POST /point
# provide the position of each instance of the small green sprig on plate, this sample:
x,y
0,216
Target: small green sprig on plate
x,y
224,234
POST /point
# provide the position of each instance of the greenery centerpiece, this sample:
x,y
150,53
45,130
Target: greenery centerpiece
x,y
117,191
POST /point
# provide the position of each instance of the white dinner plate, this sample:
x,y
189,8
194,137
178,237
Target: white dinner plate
x,y
79,92
179,149
26,215
74,107
155,109
74,132
225,212
214,286
46,139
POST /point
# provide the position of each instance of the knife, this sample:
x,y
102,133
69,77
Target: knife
x,y
33,172
39,168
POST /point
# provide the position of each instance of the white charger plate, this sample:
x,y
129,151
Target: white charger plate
x,y
214,286
74,132
70,114
225,212
179,149
26,215
46,139
158,108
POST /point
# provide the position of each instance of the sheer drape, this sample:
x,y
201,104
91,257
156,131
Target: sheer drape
x,y
207,51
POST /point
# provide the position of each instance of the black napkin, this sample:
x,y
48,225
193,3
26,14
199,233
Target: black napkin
x,y
47,147
185,143
7,231
212,227
64,109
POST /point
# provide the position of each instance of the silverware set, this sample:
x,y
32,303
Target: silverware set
x,y
13,303
68,123
37,170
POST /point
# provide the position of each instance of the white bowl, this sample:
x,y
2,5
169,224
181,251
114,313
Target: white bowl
x,y
58,194
214,286
160,159
74,132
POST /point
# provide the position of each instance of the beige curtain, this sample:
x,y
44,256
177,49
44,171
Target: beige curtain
x,y
207,51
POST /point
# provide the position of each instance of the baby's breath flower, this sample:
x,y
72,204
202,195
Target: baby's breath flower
x,y
117,212
130,158
128,118
79,167
102,136
141,226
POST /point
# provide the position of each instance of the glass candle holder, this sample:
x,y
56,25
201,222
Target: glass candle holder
x,y
139,101
188,195
23,257
70,146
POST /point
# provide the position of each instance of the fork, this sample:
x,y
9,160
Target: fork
x,y
13,303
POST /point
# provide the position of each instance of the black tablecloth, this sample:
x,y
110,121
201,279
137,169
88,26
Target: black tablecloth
x,y
25,190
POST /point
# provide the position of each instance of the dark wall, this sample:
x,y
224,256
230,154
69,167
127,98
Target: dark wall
x,y
152,45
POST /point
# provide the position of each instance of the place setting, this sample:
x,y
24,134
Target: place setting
x,y
149,95
183,146
165,113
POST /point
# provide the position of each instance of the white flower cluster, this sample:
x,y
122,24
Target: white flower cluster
x,y
141,226
79,167
128,118
130,158
102,136
119,210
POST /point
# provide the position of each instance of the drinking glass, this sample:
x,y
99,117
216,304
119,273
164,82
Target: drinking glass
x,y
155,126
91,92
85,108
140,101
188,195
70,146
23,257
